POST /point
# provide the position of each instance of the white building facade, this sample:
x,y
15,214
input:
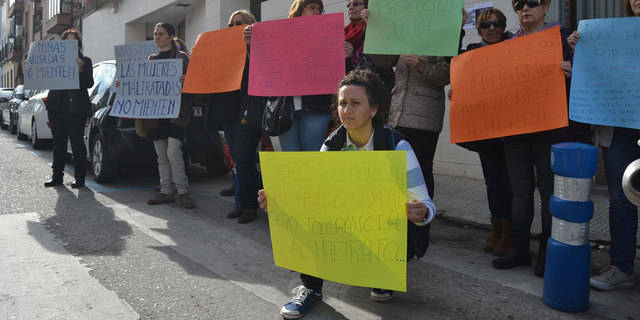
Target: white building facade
x,y
125,21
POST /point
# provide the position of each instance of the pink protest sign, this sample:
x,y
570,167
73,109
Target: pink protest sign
x,y
296,57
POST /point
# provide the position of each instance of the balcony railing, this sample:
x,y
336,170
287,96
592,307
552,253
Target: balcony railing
x,y
59,17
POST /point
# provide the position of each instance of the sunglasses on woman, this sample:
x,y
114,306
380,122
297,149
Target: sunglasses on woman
x,y
356,4
495,24
234,24
518,5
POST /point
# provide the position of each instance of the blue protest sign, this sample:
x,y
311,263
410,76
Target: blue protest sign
x,y
606,73
139,51
52,64
149,89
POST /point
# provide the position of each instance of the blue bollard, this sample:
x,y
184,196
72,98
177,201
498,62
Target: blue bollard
x,y
566,277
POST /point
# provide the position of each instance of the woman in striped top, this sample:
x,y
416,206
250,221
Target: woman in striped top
x,y
363,108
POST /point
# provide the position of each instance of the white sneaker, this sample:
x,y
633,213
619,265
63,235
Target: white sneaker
x,y
612,278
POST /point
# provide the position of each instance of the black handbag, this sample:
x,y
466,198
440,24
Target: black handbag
x,y
278,115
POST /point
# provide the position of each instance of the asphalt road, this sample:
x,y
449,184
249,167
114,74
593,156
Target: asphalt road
x,y
103,253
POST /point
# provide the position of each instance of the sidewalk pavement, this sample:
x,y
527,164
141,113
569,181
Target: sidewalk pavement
x,y
464,200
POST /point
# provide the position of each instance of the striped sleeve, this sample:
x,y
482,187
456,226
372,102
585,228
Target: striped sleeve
x,y
416,187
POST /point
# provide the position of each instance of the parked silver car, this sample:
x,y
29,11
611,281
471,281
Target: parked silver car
x,y
10,114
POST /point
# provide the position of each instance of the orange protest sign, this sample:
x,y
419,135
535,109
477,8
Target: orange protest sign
x,y
217,62
509,88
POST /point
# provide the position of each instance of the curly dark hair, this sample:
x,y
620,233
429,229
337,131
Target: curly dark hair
x,y
376,92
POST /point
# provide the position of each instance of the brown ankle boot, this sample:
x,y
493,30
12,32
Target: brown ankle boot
x,y
504,245
496,232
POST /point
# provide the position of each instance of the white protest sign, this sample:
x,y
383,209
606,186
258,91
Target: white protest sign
x,y
148,90
52,64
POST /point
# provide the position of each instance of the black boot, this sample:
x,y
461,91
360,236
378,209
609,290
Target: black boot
x,y
518,255
538,271
56,180
79,183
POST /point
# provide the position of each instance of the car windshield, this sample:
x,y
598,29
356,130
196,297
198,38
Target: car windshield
x,y
103,75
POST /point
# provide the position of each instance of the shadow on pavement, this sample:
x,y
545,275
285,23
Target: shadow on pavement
x,y
85,226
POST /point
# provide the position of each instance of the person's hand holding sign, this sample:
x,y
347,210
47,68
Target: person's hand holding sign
x,y
80,64
262,199
415,62
416,211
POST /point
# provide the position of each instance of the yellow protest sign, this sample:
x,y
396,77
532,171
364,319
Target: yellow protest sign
x,y
339,216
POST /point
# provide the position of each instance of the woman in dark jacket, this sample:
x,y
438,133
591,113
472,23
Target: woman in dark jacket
x,y
527,152
67,111
491,25
246,128
168,134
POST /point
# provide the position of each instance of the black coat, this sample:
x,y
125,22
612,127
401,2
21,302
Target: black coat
x,y
73,103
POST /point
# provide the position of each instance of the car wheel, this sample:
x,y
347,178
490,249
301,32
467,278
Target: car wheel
x,y
2,125
35,142
12,126
102,169
18,133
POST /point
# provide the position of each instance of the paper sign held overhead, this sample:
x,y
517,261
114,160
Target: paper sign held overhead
x,y
217,62
298,56
138,51
509,88
420,27
606,73
52,64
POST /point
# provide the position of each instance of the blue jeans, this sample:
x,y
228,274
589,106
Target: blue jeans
x,y
623,215
307,133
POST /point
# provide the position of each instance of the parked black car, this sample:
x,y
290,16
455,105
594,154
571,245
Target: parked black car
x,y
112,142
5,95
10,113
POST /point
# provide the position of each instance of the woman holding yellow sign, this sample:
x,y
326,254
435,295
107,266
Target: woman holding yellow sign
x,y
363,108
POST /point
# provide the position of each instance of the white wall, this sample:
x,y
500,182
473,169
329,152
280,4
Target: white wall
x,y
105,28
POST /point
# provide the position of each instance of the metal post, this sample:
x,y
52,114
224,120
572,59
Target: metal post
x,y
566,278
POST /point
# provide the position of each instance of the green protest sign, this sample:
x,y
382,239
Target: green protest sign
x,y
420,27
